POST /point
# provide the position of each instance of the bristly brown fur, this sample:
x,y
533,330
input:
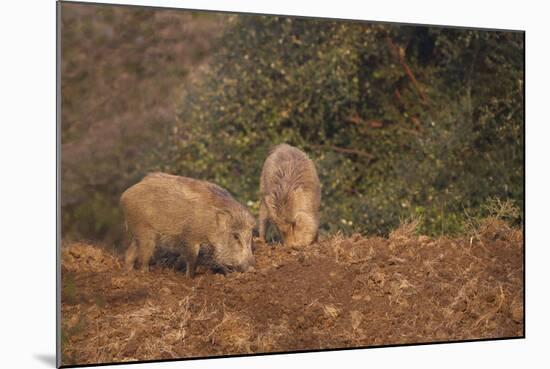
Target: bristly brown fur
x,y
290,194
215,195
186,213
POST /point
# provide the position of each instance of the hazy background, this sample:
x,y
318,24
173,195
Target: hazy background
x,y
400,120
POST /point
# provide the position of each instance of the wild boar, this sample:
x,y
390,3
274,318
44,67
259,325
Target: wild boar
x,y
290,196
185,213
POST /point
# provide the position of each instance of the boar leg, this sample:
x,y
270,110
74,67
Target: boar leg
x,y
263,220
180,263
131,255
146,248
191,260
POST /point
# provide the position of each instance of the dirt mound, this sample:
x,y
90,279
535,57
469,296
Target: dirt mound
x,y
340,292
81,257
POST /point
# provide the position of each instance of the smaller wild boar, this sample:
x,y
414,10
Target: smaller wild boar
x,y
184,213
290,196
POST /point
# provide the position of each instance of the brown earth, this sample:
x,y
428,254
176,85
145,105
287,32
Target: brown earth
x,y
340,292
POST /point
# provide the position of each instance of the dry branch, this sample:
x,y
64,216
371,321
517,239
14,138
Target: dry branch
x,y
399,53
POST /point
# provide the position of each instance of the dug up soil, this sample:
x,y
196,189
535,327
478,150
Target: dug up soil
x,y
338,293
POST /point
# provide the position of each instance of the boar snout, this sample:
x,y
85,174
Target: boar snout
x,y
251,263
248,265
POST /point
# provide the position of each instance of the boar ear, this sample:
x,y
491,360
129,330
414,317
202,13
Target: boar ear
x,y
222,218
301,218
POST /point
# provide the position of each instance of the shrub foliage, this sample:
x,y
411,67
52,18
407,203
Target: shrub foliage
x,y
401,121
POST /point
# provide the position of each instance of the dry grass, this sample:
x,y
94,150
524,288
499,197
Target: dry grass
x,y
408,228
342,292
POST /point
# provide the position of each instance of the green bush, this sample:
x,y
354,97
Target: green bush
x,y
400,120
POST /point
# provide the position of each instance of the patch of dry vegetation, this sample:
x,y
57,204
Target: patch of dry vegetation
x,y
341,292
80,257
122,71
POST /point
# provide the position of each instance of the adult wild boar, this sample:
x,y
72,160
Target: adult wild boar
x,y
185,213
290,196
